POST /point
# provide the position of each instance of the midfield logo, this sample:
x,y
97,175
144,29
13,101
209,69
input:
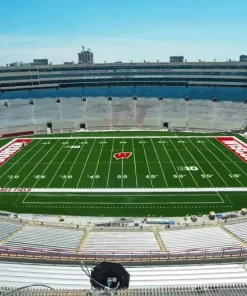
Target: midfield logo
x,y
122,155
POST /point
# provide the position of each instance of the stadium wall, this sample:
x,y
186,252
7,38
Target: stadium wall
x,y
195,92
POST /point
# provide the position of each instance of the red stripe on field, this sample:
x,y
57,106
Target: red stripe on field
x,y
12,149
237,147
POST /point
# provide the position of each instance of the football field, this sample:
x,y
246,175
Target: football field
x,y
123,175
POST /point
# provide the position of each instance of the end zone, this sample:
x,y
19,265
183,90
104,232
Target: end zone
x,y
12,148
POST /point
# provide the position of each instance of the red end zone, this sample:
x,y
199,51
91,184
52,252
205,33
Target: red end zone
x,y
11,149
237,147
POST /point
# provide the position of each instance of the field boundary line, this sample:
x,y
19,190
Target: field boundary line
x,y
209,163
159,163
125,203
74,162
60,163
147,164
120,190
98,163
120,136
85,163
228,158
5,172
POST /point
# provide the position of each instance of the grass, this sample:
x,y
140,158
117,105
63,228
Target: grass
x,y
75,165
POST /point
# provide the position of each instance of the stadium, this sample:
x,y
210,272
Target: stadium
x,y
141,165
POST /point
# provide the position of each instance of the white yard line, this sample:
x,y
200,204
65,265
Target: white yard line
x,y
147,164
74,162
19,158
85,163
38,164
222,162
184,162
98,163
122,162
22,167
208,179
62,162
172,163
229,157
209,163
109,169
159,162
135,162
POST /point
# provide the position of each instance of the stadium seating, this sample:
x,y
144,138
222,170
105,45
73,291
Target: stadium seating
x,y
121,241
45,238
100,113
239,230
200,238
72,277
6,229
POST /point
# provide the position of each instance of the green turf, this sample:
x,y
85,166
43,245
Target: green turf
x,y
155,162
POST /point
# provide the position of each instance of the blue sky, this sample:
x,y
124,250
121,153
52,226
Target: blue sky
x,y
122,29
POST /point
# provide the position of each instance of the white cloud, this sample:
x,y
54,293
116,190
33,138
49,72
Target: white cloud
x,y
61,49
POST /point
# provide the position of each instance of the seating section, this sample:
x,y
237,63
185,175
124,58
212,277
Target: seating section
x,y
45,238
72,277
200,238
6,229
239,230
121,241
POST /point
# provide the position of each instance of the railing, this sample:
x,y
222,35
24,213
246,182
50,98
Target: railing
x,y
138,256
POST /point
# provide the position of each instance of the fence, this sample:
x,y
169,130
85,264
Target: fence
x,y
167,256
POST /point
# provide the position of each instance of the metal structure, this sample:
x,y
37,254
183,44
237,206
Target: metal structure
x,y
201,255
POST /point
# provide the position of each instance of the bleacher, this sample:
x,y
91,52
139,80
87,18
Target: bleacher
x,y
7,229
72,277
239,230
121,241
45,238
200,238
99,113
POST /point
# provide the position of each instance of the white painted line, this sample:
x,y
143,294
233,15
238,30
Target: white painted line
x,y
172,163
134,162
184,162
109,169
5,172
54,175
210,164
147,164
74,162
208,179
85,163
223,163
159,163
98,162
22,167
120,136
117,190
